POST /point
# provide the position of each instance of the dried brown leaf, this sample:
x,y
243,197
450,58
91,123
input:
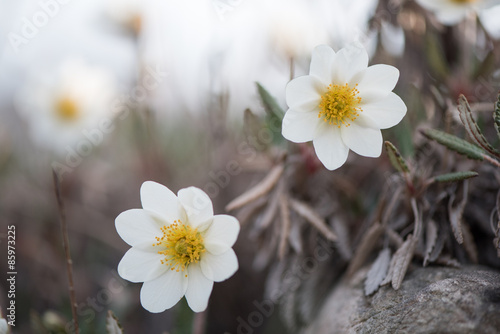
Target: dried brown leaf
x,y
469,244
269,213
251,210
431,234
295,237
285,226
365,248
394,237
378,271
456,213
305,211
259,190
439,246
390,272
343,245
403,259
396,198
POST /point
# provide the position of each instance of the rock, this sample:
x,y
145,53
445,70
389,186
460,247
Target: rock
x,y
430,300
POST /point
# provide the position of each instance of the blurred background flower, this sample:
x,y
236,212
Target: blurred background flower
x,y
65,107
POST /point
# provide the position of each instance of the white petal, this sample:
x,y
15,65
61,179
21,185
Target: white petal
x,y
159,199
329,147
451,16
141,266
376,82
137,228
163,292
384,113
197,204
222,234
304,93
350,61
299,126
363,140
199,288
321,63
219,267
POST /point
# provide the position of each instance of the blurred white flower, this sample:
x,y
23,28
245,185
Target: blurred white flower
x,y
392,38
178,247
342,105
451,12
61,108
127,13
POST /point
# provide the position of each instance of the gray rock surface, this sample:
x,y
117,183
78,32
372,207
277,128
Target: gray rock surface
x,y
430,300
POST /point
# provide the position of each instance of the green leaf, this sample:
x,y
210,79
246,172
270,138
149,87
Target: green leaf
x,y
112,325
272,107
496,115
395,157
454,177
472,128
454,143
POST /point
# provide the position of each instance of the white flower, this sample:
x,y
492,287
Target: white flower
x,y
342,104
178,247
450,12
127,13
60,110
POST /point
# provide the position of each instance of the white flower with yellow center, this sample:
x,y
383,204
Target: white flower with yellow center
x,y
179,248
342,104
450,12
60,109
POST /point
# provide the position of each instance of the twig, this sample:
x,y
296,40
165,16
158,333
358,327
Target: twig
x,y
69,262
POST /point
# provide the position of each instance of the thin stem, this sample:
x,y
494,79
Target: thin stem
x,y
292,68
69,262
199,322
491,160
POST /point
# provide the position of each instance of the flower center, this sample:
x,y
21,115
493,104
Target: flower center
x,y
463,1
339,105
182,245
67,109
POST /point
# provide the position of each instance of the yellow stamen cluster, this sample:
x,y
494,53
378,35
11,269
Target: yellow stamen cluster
x,y
339,105
181,245
67,109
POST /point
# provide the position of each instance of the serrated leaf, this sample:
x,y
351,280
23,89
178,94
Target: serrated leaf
x,y
112,325
456,213
378,271
398,162
403,259
454,177
431,234
456,144
390,272
442,238
496,115
272,107
471,126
